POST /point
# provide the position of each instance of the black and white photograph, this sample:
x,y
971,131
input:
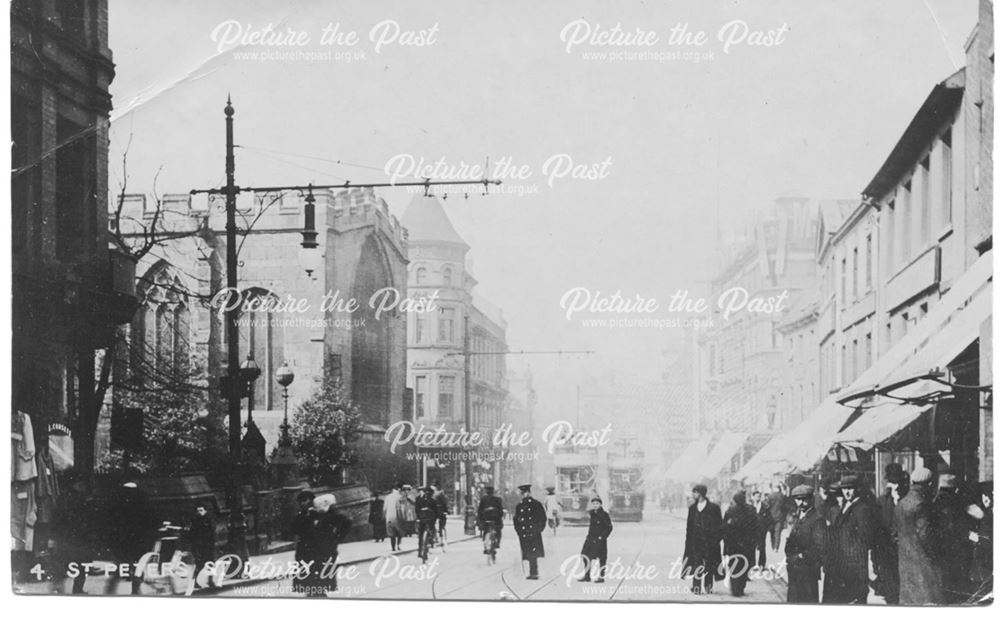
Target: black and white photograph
x,y
578,302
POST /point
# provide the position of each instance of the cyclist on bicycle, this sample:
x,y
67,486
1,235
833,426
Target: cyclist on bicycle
x,y
490,514
442,507
427,516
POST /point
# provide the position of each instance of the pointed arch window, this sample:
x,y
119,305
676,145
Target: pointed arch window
x,y
161,329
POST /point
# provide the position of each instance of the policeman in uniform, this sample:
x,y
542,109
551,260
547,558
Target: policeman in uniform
x,y
529,523
804,548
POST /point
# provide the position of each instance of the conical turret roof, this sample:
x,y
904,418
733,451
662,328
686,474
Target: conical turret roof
x,y
426,221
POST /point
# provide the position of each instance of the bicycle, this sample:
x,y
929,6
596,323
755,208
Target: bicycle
x,y
442,534
425,539
491,541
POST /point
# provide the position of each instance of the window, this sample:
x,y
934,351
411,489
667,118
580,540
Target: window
x,y
25,178
843,364
72,14
903,225
263,337
868,261
854,272
925,196
446,276
421,275
446,397
946,177
446,326
890,246
843,282
855,360
420,331
76,189
160,330
868,351
420,396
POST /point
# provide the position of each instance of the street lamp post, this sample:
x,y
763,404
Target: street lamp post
x,y
285,377
249,372
283,461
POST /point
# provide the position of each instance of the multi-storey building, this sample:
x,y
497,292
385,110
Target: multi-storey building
x,y
457,352
740,358
72,285
905,314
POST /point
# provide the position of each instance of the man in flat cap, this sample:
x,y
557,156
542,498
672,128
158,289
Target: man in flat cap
x,y
921,580
529,523
855,532
954,526
804,548
702,550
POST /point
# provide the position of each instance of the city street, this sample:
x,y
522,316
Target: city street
x,y
641,555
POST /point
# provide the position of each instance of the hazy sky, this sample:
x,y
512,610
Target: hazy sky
x,y
689,142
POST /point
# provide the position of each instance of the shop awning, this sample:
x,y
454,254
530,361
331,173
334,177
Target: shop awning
x,y
725,449
879,424
687,466
767,462
949,324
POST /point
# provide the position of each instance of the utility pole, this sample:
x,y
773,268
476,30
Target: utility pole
x,y
470,520
237,522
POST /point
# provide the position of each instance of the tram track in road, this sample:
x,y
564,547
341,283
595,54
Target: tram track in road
x,y
642,545
461,564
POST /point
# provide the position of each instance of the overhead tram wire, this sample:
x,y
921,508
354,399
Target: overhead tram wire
x,y
311,157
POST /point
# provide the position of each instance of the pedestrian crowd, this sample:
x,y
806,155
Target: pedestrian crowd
x,y
920,543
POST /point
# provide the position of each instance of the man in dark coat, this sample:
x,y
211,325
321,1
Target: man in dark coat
x,y
490,513
739,533
529,523
921,580
885,553
829,509
702,554
134,525
376,517
804,549
427,516
855,532
331,529
201,535
595,547
304,527
764,524
781,507
72,539
953,526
